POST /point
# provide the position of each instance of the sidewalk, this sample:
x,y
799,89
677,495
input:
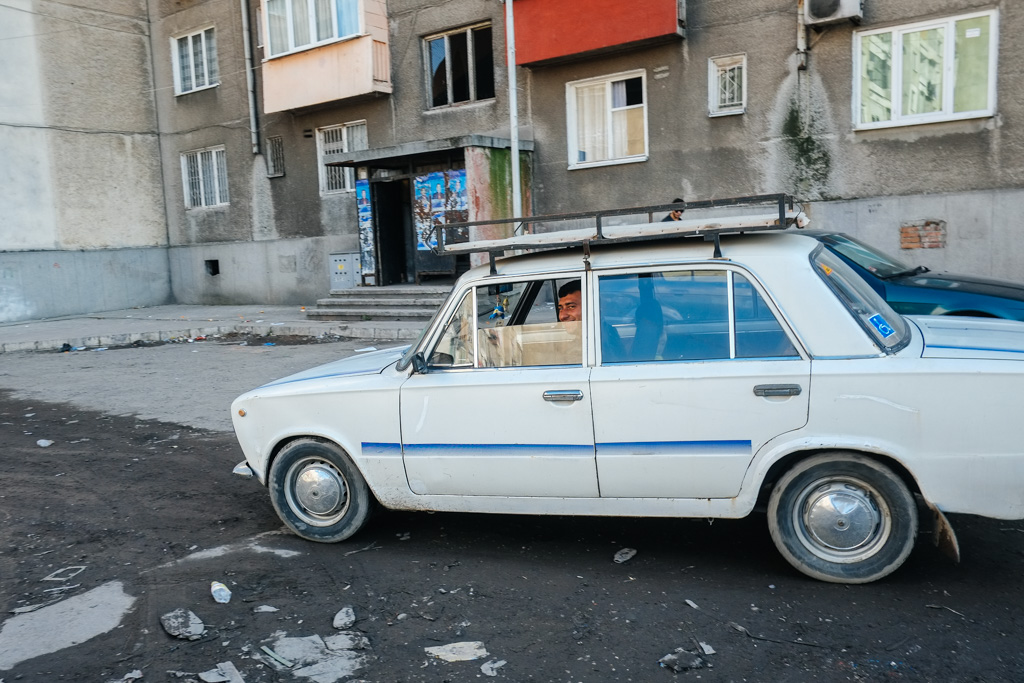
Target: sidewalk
x,y
160,323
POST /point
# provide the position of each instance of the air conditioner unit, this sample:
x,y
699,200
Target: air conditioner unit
x,y
818,12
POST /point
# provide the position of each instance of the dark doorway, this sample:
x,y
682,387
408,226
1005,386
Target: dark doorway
x,y
393,214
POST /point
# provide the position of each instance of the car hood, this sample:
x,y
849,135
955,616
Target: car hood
x,y
967,284
957,337
362,364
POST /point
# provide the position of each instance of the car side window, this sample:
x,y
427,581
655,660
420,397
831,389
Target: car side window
x,y
515,324
686,315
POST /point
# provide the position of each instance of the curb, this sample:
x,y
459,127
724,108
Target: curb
x,y
342,331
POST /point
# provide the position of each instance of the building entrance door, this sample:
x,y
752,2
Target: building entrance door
x,y
393,215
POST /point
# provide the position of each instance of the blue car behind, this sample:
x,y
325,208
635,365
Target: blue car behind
x,y
918,291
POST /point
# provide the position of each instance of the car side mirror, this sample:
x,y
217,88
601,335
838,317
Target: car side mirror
x,y
419,366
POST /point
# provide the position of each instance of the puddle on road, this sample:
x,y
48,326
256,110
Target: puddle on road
x,y
63,624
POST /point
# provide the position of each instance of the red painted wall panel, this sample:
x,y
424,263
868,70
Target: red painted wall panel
x,y
548,29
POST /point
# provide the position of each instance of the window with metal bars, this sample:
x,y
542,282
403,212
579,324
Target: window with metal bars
x,y
332,141
204,176
727,85
195,61
460,66
275,156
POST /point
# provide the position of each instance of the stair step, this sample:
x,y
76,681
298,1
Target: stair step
x,y
382,302
350,313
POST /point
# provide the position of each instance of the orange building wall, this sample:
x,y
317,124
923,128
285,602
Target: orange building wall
x,y
548,29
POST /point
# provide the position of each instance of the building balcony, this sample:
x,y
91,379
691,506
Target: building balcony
x,y
352,67
553,31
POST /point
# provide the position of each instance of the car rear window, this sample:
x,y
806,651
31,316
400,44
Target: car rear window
x,y
886,327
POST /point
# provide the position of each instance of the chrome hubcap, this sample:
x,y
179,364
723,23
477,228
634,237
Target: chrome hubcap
x,y
842,520
317,492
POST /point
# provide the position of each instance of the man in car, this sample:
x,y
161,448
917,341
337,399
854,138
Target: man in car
x,y
570,302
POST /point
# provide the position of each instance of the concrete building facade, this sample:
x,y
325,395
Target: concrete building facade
x,y
233,151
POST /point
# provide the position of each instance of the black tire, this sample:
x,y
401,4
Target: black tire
x,y
842,517
318,492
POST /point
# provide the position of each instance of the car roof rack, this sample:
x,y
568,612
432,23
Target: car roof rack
x,y
498,236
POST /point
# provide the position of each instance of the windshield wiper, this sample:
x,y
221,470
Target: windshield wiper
x,y
907,273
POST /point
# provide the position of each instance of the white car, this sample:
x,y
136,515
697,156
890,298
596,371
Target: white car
x,y
688,385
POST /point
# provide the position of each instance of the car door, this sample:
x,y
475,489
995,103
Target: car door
x,y
696,373
503,408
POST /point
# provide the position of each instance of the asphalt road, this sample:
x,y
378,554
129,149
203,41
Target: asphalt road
x,y
135,489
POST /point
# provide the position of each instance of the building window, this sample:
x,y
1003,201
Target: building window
x,y
204,174
607,120
727,85
929,71
301,24
275,156
195,61
334,140
461,66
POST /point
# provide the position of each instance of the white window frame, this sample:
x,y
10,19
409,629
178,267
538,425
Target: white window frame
x,y
948,66
213,186
571,119
471,60
331,175
209,62
310,20
717,68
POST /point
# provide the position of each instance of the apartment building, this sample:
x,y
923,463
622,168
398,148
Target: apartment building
x,y
225,151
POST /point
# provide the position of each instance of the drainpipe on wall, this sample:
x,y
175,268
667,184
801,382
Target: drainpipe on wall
x,y
249,81
801,36
513,107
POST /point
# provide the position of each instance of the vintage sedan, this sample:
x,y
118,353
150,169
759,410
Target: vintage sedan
x,y
665,378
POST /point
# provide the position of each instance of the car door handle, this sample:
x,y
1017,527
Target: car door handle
x,y
777,390
563,395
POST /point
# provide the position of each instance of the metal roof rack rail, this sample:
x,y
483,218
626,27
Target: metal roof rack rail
x,y
563,230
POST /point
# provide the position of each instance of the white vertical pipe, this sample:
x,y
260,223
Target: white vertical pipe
x,y
513,108
250,84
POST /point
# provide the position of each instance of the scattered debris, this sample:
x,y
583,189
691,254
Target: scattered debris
x,y
43,443
65,573
220,592
318,660
706,649
184,624
277,658
62,588
944,607
372,546
347,640
130,676
265,608
224,673
458,652
692,604
345,618
624,555
491,668
32,608
682,660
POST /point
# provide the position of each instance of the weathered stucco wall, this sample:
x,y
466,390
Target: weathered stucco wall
x,y
79,160
277,272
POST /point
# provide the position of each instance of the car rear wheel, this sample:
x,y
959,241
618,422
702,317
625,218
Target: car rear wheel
x,y
842,517
318,492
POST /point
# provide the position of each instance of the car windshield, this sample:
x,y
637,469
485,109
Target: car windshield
x,y
868,258
887,327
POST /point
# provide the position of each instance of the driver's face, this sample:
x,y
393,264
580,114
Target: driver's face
x,y
570,307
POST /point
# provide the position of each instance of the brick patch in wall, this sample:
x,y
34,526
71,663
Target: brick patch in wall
x,y
925,234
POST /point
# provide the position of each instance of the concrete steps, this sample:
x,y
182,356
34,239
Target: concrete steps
x,y
402,303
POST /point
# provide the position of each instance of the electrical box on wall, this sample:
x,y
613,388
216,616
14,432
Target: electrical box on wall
x,y
819,12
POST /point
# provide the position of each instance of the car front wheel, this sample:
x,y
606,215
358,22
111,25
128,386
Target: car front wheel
x,y
842,517
318,492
